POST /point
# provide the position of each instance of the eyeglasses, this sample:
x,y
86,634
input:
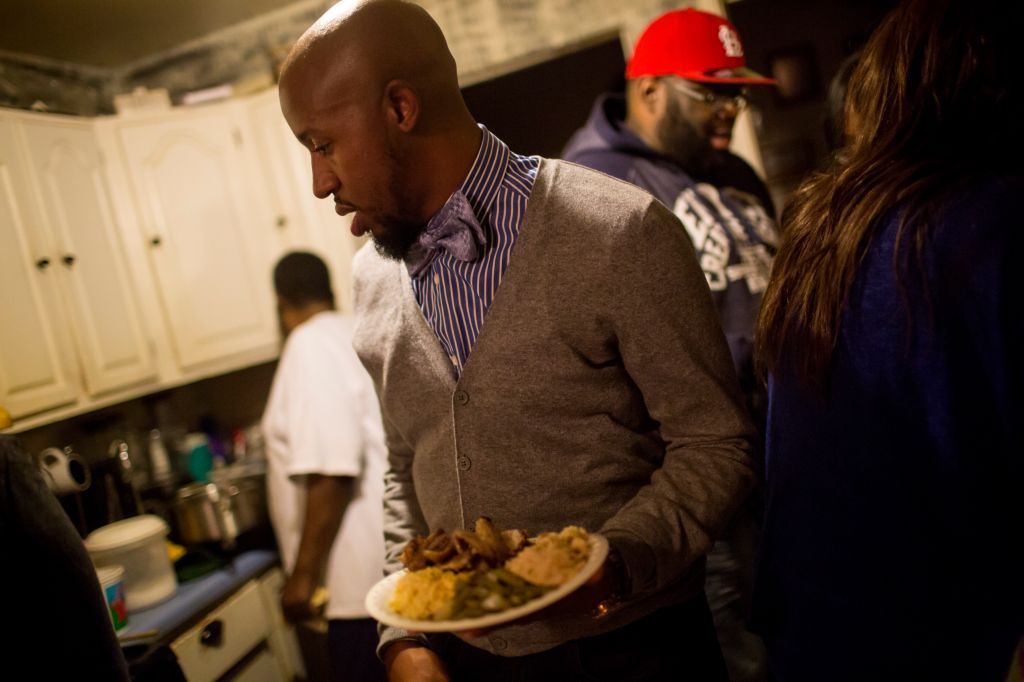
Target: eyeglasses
x,y
711,99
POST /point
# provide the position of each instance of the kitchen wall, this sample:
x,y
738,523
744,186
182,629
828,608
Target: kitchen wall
x,y
27,82
232,400
808,41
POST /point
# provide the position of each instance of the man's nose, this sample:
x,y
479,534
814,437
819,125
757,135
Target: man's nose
x,y
325,182
727,111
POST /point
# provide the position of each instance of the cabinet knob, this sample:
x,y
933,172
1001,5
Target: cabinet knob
x,y
43,263
213,634
281,222
156,241
69,259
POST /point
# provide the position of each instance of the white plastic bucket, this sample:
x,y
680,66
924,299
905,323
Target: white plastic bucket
x,y
138,545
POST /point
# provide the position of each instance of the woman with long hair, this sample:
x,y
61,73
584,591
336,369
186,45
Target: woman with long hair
x,y
892,336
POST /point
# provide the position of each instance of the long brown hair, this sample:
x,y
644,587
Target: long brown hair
x,y
933,104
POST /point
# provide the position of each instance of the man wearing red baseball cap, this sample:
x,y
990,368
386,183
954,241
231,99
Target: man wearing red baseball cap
x,y
670,135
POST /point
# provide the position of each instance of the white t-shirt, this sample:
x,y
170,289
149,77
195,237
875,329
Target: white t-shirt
x,y
323,417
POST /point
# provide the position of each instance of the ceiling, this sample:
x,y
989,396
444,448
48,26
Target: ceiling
x,y
111,33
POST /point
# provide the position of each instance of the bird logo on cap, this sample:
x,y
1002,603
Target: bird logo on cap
x,y
730,41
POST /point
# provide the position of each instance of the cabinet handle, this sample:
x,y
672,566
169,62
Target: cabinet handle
x,y
213,634
156,241
69,259
43,263
282,222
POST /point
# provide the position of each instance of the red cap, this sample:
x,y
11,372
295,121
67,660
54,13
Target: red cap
x,y
694,45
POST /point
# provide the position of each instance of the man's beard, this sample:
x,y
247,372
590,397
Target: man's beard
x,y
680,139
397,237
398,231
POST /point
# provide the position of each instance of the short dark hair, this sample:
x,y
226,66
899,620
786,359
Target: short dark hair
x,y
301,278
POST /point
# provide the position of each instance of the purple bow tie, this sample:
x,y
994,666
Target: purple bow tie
x,y
454,229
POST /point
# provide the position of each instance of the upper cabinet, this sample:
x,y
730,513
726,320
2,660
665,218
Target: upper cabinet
x,y
138,251
36,372
286,183
203,216
85,252
303,221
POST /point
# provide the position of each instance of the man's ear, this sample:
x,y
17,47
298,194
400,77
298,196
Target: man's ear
x,y
402,105
649,91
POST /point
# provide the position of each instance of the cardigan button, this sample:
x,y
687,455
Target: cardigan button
x,y
461,397
464,463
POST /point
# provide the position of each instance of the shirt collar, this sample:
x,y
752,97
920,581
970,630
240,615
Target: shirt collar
x,y
485,175
458,226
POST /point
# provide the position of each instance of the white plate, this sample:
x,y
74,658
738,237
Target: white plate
x,y
380,594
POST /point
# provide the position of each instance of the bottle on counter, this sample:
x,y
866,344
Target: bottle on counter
x,y
199,456
159,461
128,478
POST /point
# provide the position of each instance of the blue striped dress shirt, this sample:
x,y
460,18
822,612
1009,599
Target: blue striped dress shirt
x,y
454,295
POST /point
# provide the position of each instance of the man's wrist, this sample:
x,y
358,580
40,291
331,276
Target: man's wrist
x,y
617,582
393,649
304,574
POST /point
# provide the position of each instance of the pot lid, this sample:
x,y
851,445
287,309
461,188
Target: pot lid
x,y
126,533
202,490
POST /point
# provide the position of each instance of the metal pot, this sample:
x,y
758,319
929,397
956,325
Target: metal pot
x,y
220,512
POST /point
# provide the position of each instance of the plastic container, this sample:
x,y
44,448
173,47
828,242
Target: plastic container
x,y
112,581
138,545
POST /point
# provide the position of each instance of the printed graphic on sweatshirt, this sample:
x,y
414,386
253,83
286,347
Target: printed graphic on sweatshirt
x,y
734,237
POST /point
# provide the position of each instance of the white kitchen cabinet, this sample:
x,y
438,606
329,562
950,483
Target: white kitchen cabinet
x,y
304,222
74,198
224,637
35,364
243,635
138,251
292,226
282,641
260,668
202,213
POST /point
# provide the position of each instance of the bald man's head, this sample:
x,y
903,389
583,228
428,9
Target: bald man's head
x,y
358,46
372,91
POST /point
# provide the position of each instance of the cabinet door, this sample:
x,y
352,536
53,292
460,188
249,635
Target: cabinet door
x,y
260,668
33,371
75,206
274,142
282,641
195,197
309,223
223,637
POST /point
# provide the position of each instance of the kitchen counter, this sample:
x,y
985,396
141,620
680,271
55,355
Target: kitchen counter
x,y
189,603
194,598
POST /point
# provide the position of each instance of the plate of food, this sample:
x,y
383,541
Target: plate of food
x,y
469,580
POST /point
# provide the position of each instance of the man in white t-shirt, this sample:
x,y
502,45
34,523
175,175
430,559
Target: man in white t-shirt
x,y
326,460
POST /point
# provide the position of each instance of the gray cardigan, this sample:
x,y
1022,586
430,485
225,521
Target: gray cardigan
x,y
600,392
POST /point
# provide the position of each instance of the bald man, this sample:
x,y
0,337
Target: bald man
x,y
544,349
